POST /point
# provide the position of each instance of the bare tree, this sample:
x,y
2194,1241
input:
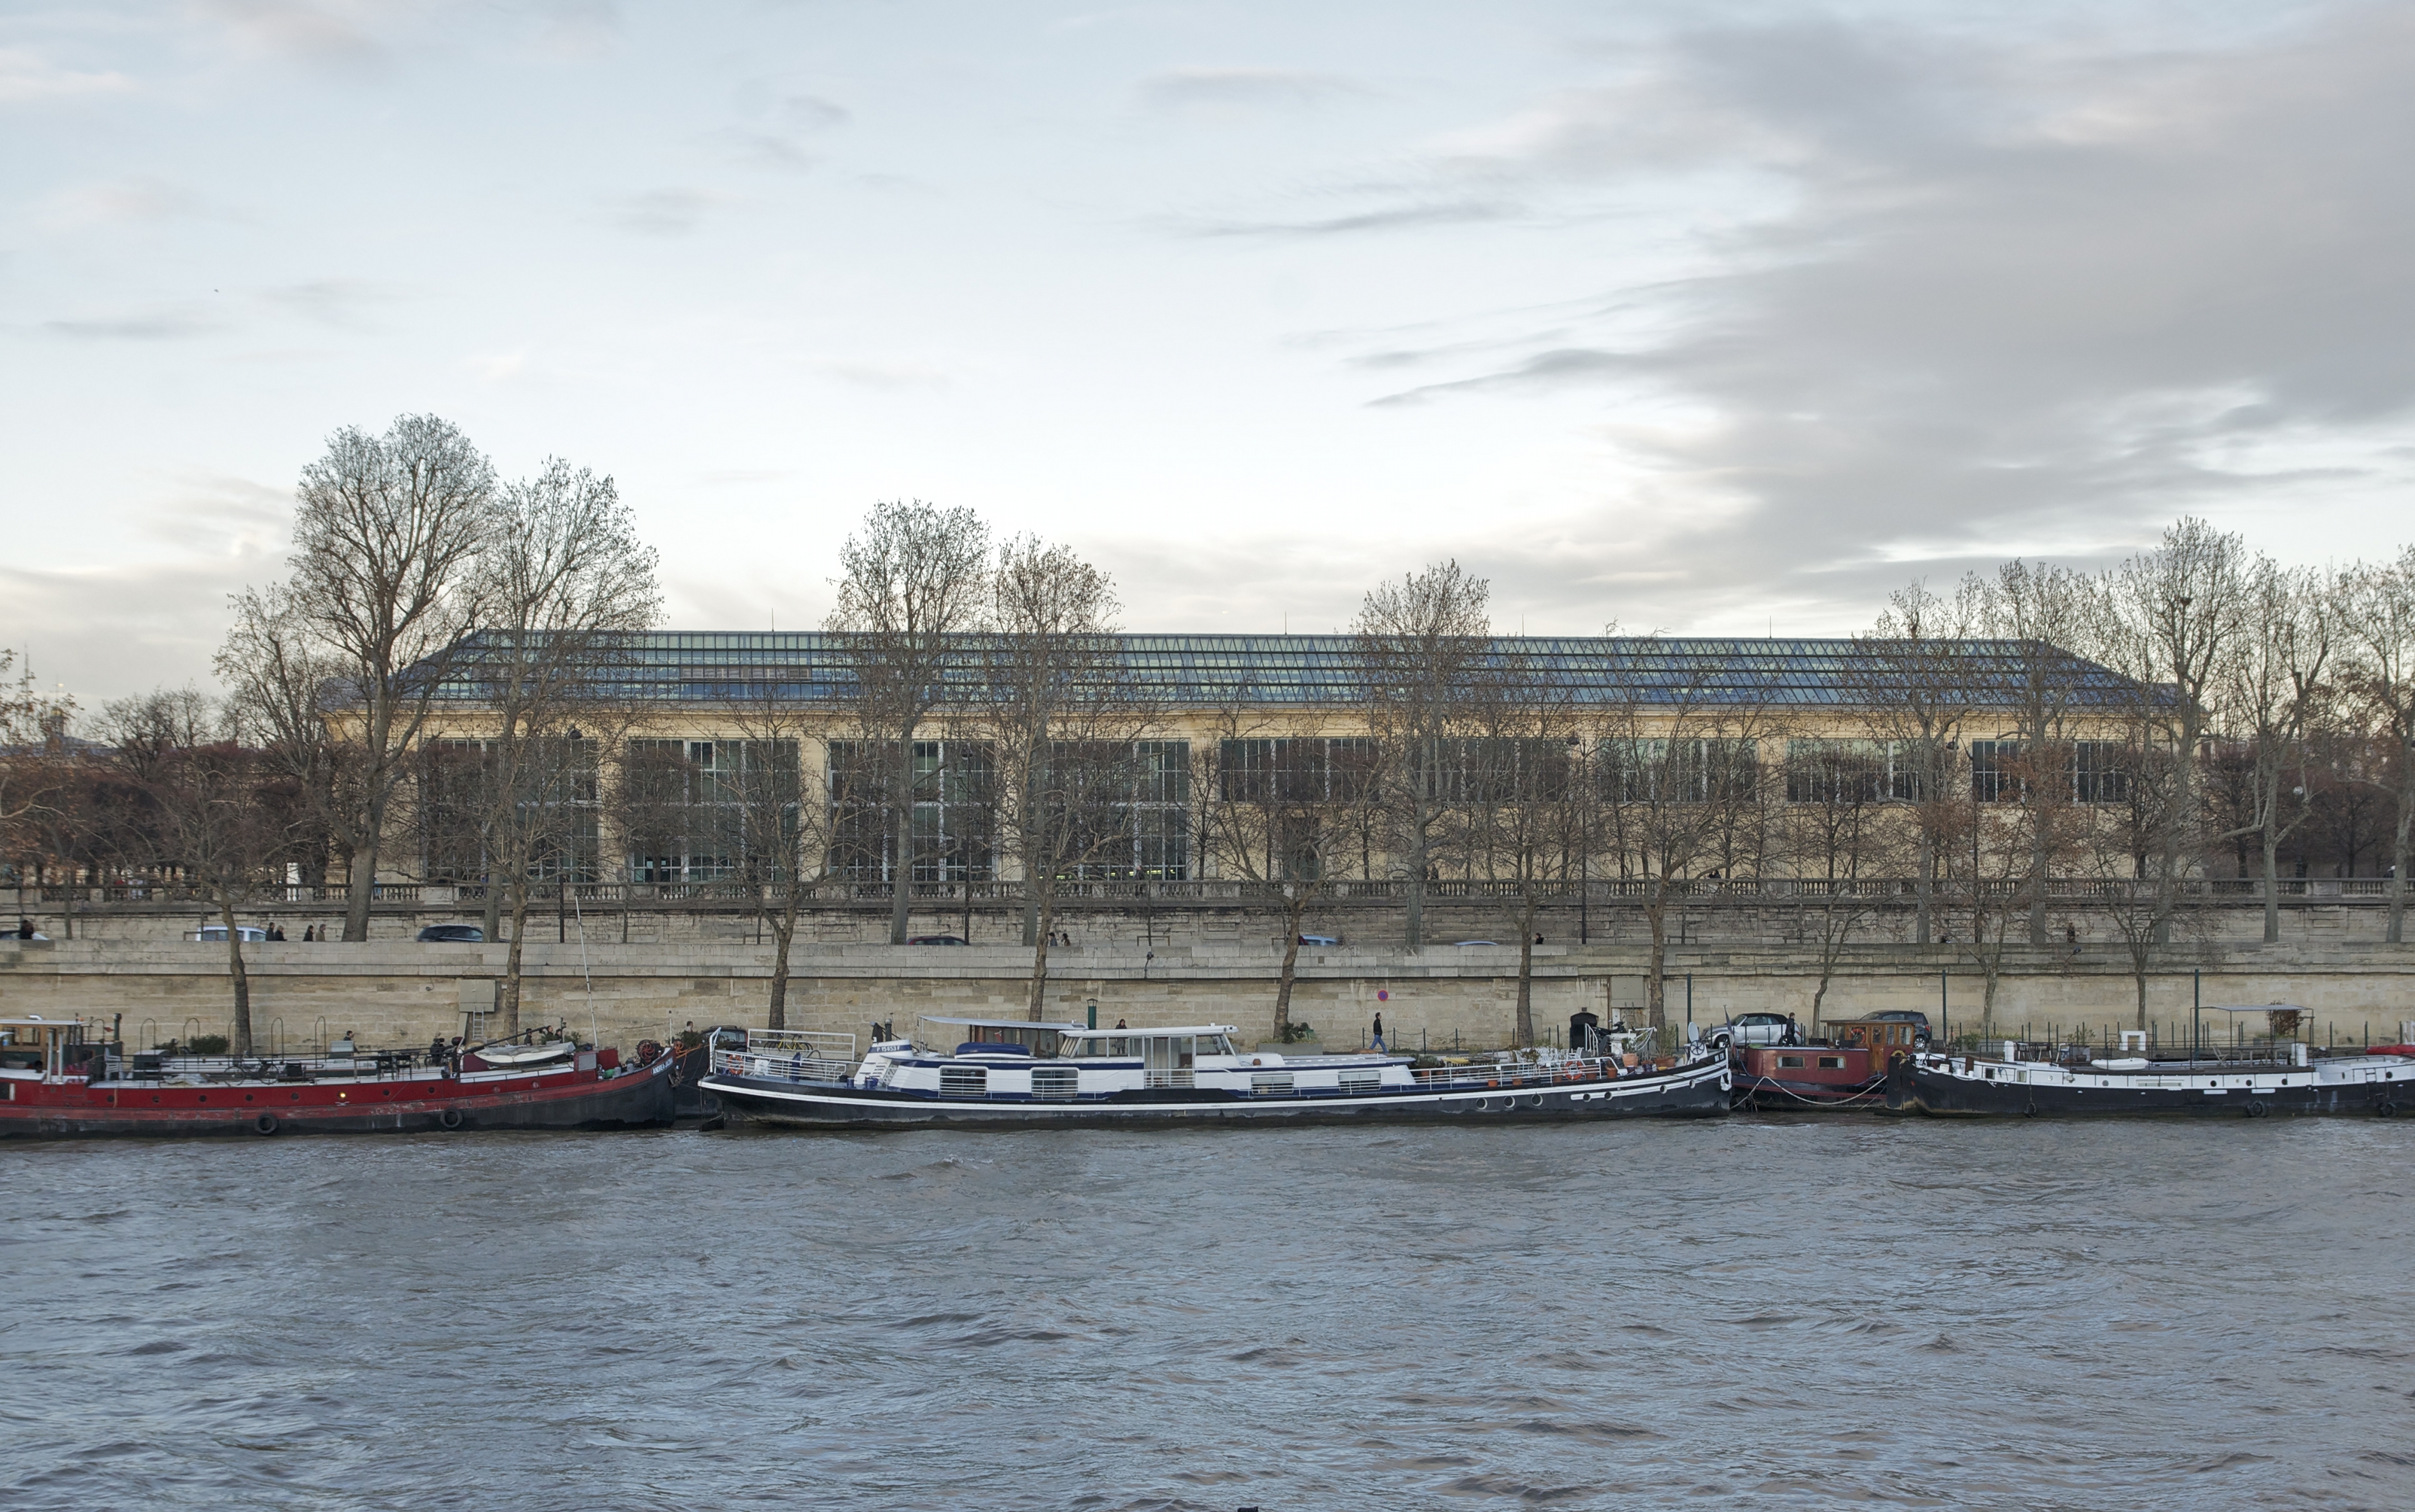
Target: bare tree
x,y
385,534
1680,757
2378,622
781,816
564,583
915,586
42,784
2170,622
1837,837
2278,692
280,679
2039,610
1524,784
1277,804
207,805
1423,647
1063,721
1912,676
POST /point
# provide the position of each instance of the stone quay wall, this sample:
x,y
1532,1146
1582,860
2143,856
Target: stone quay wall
x,y
400,993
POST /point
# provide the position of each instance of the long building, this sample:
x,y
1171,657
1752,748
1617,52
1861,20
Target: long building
x,y
1211,725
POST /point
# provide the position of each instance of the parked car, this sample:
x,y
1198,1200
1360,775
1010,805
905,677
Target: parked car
x,y
1320,939
1747,1029
246,933
935,939
1918,1020
453,934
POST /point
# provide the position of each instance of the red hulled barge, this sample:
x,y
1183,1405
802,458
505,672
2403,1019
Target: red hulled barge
x,y
61,1080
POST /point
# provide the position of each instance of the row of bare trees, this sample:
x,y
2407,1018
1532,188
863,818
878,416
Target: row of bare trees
x,y
444,685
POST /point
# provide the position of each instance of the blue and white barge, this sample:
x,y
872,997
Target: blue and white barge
x,y
1013,1073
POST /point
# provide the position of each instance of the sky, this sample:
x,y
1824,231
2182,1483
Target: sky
x,y
1703,318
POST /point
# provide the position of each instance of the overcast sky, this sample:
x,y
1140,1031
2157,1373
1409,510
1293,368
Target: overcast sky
x,y
1701,318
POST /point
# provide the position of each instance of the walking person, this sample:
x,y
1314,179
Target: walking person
x,y
1379,1031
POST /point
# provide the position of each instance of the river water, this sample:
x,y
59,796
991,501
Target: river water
x,y
1780,1313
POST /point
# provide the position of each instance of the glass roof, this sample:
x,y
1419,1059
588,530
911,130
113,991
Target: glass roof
x,y
812,667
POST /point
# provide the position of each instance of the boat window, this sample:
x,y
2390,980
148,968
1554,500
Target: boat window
x,y
1789,1061
1215,1044
1832,1063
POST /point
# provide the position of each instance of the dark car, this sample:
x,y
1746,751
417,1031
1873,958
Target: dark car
x,y
935,939
453,934
1913,1016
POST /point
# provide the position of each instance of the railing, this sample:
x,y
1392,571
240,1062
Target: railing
x,y
790,1056
1379,891
1547,1069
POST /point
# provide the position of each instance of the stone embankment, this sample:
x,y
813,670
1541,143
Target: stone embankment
x,y
397,993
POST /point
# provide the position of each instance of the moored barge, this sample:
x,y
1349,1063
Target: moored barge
x,y
58,1083
2014,1084
1012,1073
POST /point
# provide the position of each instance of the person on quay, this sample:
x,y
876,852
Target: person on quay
x,y
1379,1031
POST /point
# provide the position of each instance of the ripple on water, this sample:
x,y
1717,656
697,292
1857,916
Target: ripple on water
x,y
1976,1315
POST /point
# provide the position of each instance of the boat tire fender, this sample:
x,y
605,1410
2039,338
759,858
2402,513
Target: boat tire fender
x,y
2255,1108
265,1124
2029,1109
450,1118
2385,1109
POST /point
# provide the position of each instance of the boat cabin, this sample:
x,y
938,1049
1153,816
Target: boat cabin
x,y
997,1037
1883,1039
1017,1058
51,1047
1818,1065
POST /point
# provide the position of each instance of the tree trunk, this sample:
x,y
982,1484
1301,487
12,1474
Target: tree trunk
x,y
1922,886
1525,1026
1417,894
2037,878
901,884
784,934
493,921
2398,857
363,881
2272,838
507,1001
1037,999
238,977
1291,960
2140,974
1656,976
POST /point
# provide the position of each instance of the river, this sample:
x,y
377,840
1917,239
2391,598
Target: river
x,y
1777,1312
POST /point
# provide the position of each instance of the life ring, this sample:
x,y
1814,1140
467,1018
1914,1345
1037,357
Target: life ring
x,y
450,1118
646,1051
265,1124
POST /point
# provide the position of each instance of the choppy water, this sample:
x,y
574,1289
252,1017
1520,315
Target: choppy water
x,y
1781,1314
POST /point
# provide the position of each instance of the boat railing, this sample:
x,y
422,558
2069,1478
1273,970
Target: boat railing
x,y
790,1055
1540,1071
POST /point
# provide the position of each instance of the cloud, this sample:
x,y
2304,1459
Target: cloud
x,y
128,201
344,303
779,140
659,212
1388,217
336,34
1182,89
2021,289
26,75
579,30
155,325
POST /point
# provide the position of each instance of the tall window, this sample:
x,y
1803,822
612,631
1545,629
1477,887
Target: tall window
x,y
1837,771
690,818
1700,770
1123,809
1993,779
556,809
2100,771
953,818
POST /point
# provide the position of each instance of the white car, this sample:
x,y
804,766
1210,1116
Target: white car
x,y
248,934
1747,1029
